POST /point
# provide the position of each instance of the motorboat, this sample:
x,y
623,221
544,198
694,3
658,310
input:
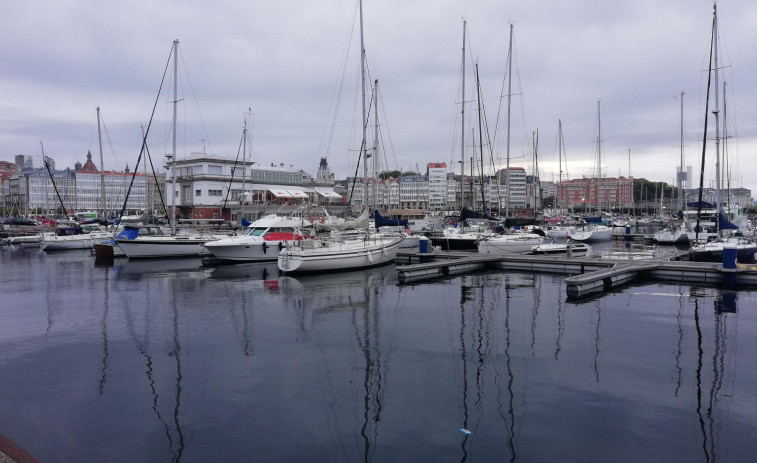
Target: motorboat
x,y
73,236
560,248
262,240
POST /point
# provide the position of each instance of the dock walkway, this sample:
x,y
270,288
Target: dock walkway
x,y
587,275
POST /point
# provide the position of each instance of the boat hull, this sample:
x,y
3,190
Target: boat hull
x,y
559,249
592,234
745,254
456,243
244,249
163,247
62,243
349,256
507,244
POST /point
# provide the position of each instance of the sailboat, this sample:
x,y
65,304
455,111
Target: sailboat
x,y
173,245
713,251
337,251
512,241
594,230
464,236
68,234
678,233
557,230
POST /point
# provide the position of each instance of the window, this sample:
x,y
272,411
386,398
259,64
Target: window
x,y
214,170
198,192
214,193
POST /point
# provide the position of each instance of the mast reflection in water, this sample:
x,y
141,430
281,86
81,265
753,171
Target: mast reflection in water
x,y
177,361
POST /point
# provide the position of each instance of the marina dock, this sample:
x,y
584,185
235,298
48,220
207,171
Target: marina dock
x,y
587,275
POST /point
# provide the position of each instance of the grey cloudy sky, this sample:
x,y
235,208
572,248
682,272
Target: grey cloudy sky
x,y
285,59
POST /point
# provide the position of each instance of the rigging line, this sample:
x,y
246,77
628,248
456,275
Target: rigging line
x,y
704,137
144,138
388,131
110,143
231,181
197,106
339,90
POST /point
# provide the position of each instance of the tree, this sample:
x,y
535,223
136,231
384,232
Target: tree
x,y
395,174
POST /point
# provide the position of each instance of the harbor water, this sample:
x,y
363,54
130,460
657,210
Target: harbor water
x,y
174,360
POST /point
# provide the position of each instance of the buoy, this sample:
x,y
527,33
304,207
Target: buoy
x,y
310,219
321,219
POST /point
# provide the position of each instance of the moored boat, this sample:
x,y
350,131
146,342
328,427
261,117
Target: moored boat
x,y
336,253
560,248
591,233
262,240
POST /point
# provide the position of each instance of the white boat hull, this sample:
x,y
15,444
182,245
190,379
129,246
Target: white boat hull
x,y
244,249
558,233
59,243
560,248
506,244
671,237
349,255
167,246
600,233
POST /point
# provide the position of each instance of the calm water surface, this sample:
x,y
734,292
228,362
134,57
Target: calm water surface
x,y
174,361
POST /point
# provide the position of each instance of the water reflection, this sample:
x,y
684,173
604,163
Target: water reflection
x,y
320,302
241,358
138,268
724,307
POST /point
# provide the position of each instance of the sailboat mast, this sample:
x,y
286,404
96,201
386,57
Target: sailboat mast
x,y
244,165
375,144
480,143
559,162
103,206
148,204
599,159
680,173
173,151
509,98
716,113
462,132
363,121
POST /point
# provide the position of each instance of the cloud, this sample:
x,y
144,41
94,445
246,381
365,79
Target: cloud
x,y
285,60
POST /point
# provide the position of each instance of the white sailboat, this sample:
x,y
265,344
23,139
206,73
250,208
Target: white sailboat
x,y
679,233
594,231
713,250
173,245
336,252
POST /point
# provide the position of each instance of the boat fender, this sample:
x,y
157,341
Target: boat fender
x,y
370,257
321,219
383,251
265,246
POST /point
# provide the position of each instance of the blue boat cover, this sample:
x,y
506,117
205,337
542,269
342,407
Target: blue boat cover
x,y
128,233
724,224
382,221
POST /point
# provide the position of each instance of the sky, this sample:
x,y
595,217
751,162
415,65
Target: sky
x,y
289,71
